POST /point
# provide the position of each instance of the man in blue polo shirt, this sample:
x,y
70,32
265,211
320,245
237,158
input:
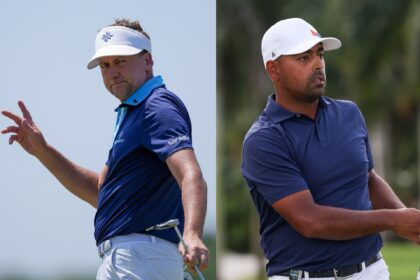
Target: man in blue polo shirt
x,y
309,169
151,175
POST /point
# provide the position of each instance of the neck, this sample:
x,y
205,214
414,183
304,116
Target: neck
x,y
295,105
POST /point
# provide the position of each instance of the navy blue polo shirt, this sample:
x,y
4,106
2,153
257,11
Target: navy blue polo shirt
x,y
139,191
284,153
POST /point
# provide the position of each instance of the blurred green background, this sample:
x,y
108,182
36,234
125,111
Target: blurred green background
x,y
377,67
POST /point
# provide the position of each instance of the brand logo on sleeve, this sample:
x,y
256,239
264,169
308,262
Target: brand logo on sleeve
x,y
181,138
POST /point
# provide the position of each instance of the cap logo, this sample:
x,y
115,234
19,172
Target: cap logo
x,y
314,33
106,37
273,54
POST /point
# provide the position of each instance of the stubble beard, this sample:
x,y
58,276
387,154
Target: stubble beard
x,y
313,93
122,92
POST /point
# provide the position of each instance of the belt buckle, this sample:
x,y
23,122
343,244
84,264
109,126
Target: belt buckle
x,y
295,274
100,251
336,277
104,247
335,273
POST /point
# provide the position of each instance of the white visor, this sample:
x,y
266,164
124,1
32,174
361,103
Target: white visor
x,y
118,41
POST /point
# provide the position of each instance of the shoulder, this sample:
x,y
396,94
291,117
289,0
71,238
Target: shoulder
x,y
346,107
161,99
165,108
345,110
164,103
341,103
264,136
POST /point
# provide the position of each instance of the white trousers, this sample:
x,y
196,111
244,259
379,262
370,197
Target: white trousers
x,y
140,257
375,271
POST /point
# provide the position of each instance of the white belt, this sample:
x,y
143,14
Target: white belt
x,y
106,245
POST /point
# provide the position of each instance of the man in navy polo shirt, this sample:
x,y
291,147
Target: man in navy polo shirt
x,y
151,175
309,169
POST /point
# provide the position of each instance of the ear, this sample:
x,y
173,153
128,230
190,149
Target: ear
x,y
272,69
148,58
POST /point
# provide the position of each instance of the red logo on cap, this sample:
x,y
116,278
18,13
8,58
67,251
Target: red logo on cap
x,y
314,33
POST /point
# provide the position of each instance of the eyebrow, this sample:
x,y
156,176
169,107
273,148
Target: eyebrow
x,y
320,49
112,61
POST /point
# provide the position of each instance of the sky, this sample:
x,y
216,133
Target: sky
x,y
45,46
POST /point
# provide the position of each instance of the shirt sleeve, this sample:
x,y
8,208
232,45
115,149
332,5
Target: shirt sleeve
x,y
366,138
269,165
167,125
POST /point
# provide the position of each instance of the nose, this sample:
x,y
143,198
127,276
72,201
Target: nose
x,y
318,63
112,72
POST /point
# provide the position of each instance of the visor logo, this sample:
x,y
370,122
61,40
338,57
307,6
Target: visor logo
x,y
314,33
106,37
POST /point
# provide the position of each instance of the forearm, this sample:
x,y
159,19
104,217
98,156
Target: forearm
x,y
187,172
342,224
78,180
326,222
194,201
381,194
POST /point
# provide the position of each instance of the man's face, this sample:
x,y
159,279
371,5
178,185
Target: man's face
x,y
302,76
122,75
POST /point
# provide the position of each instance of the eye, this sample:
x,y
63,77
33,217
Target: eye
x,y
121,61
304,57
104,65
321,54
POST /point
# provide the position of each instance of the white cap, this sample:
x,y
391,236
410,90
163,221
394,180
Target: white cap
x,y
118,40
293,36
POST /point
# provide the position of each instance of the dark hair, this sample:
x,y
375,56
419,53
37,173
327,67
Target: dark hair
x,y
130,24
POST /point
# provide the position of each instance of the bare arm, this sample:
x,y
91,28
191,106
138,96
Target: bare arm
x,y
381,194
317,221
78,180
184,167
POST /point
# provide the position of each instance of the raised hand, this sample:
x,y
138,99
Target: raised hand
x,y
25,132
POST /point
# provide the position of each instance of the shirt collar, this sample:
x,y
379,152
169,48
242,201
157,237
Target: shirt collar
x,y
278,114
144,91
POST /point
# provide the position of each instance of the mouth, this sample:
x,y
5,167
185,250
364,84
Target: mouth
x,y
318,80
117,83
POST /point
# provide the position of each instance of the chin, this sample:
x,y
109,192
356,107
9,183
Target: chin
x,y
121,96
315,95
312,98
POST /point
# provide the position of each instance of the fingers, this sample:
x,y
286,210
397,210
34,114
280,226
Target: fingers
x,y
26,122
25,111
204,261
12,139
197,257
10,115
10,129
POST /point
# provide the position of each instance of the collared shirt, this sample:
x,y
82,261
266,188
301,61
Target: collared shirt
x,y
139,190
136,98
286,152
